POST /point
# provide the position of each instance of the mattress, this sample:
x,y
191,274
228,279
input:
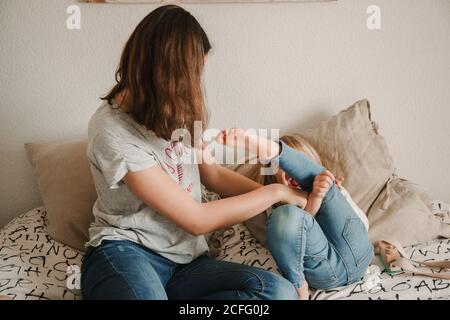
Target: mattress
x,y
33,266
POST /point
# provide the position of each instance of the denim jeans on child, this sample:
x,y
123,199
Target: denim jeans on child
x,y
124,270
329,250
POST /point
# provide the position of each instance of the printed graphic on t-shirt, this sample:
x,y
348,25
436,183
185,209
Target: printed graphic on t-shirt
x,y
177,154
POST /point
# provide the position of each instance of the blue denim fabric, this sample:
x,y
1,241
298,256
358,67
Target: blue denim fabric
x,y
124,270
333,248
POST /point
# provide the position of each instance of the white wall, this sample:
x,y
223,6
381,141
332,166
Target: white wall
x,y
274,65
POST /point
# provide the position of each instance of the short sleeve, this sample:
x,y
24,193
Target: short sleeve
x,y
115,157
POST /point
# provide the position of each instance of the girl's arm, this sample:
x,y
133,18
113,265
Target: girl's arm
x,y
156,189
224,181
221,180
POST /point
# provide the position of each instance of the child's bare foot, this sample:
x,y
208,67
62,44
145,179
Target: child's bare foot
x,y
322,184
303,291
250,141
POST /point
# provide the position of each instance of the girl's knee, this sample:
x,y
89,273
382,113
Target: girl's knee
x,y
267,285
278,288
290,212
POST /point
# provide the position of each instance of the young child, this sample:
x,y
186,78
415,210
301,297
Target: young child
x,y
325,244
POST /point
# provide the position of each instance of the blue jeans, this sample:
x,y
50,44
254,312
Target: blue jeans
x,y
329,250
124,270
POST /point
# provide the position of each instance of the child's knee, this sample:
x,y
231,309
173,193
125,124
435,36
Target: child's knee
x,y
289,213
287,221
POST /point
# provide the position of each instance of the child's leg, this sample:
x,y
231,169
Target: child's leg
x,y
298,166
337,218
301,249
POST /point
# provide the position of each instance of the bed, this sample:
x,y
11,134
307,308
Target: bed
x,y
33,266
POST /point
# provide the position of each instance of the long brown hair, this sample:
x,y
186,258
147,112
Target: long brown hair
x,y
160,72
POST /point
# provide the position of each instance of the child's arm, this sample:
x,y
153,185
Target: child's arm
x,y
322,184
313,205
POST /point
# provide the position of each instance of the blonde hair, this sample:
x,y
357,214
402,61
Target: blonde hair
x,y
295,141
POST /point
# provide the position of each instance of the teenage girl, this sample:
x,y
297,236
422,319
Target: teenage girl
x,y
147,238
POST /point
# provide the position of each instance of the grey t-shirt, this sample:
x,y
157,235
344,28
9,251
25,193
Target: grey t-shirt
x,y
118,144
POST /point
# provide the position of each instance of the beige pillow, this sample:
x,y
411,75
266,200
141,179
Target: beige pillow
x,y
67,189
403,212
352,147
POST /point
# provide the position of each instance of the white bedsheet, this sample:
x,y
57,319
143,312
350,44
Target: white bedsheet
x,y
34,266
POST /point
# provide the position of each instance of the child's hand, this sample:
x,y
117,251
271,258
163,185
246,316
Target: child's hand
x,y
339,182
322,184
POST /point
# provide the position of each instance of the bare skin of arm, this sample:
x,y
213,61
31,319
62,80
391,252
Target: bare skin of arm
x,y
221,180
156,189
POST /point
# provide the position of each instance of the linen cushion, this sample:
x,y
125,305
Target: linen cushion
x,y
67,189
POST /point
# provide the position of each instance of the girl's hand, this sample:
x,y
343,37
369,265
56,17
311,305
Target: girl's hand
x,y
292,196
322,184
